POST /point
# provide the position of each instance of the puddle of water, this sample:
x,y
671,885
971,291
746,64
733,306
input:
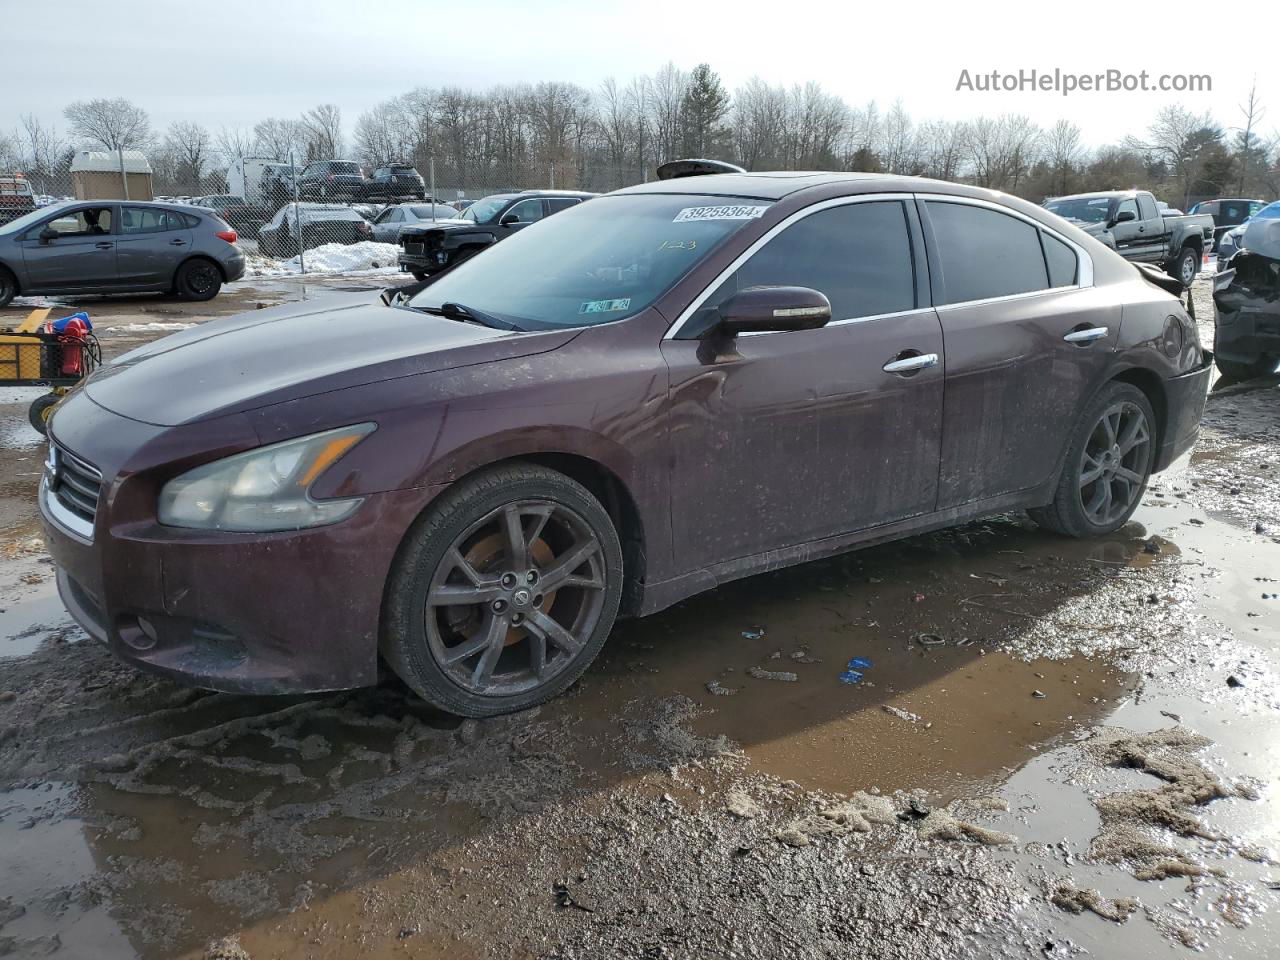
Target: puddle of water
x,y
27,621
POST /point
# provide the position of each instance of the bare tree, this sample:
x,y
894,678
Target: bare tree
x,y
1063,150
115,124
44,149
1246,145
1002,150
1172,140
234,142
322,128
669,86
279,138
189,144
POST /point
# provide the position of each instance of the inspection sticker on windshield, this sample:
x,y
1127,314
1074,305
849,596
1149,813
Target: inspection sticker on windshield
x,y
605,306
740,212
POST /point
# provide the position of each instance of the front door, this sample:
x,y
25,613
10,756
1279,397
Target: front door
x,y
525,212
82,256
151,243
793,437
1027,340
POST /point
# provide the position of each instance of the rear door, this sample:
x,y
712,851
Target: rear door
x,y
152,242
1028,337
83,256
797,436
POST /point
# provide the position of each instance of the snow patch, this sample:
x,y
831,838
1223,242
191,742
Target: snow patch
x,y
152,327
366,256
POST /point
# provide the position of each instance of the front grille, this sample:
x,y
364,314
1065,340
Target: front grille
x,y
415,248
74,483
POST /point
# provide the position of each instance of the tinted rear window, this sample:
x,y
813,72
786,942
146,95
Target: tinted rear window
x,y
984,253
403,170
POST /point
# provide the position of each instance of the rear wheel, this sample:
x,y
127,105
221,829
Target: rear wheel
x,y
504,592
198,279
418,275
1107,465
1186,266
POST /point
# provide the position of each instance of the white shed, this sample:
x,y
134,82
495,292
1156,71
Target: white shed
x,y
102,175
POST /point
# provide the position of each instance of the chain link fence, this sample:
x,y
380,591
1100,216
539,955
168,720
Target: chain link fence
x,y
324,216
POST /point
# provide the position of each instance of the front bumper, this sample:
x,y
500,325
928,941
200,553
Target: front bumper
x,y
1246,328
267,613
1185,397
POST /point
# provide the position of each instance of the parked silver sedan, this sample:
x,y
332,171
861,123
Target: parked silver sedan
x,y
388,224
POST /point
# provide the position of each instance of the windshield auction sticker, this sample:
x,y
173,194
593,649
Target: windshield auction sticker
x,y
605,306
719,213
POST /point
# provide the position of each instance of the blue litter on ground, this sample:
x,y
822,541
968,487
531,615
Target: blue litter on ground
x,y
851,676
755,633
859,663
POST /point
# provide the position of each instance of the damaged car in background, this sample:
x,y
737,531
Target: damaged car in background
x,y
671,387
1246,293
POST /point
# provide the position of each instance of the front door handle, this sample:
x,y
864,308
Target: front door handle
x,y
104,246
911,364
1087,335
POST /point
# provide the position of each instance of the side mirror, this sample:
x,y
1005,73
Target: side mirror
x,y
774,309
1124,216
509,219
48,234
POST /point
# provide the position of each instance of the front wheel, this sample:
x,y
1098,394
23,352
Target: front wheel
x,y
1107,465
8,287
503,593
1186,266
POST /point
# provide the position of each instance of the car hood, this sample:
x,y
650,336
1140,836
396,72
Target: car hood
x,y
241,363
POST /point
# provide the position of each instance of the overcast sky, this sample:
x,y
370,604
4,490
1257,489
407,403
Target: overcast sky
x,y
234,62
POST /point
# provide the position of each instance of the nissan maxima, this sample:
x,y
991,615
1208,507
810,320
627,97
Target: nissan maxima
x,y
671,387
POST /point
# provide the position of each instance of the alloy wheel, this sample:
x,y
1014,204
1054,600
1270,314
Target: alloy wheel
x,y
1115,462
515,598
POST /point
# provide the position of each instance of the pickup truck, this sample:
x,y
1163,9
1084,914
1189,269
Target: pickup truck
x,y
427,249
16,198
1130,222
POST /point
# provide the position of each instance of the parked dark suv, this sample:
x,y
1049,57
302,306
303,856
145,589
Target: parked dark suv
x,y
332,180
396,182
665,389
428,249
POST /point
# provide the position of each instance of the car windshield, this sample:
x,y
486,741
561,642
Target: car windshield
x,y
594,263
344,168
441,212
1082,209
485,210
404,171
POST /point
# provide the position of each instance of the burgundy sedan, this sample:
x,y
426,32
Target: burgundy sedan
x,y
667,388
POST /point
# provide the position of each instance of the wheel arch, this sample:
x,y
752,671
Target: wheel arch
x,y
1152,386
12,271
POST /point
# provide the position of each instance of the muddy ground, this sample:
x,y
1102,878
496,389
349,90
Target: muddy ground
x,y
1058,749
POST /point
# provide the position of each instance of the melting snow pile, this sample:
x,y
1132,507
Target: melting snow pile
x,y
366,256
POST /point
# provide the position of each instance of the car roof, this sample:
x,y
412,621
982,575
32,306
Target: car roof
x,y
1097,194
550,193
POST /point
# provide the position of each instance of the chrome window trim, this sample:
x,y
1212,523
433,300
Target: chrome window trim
x,y
1084,262
696,303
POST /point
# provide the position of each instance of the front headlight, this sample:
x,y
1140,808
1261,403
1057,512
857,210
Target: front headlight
x,y
265,489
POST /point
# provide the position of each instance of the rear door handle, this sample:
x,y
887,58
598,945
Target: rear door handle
x,y
911,364
175,242
1088,335
104,246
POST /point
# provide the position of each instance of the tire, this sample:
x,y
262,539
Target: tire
x,y
1234,370
418,275
1185,266
198,279
8,287
1098,450
480,656
38,412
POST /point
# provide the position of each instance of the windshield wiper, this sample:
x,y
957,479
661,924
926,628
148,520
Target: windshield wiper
x,y
458,311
